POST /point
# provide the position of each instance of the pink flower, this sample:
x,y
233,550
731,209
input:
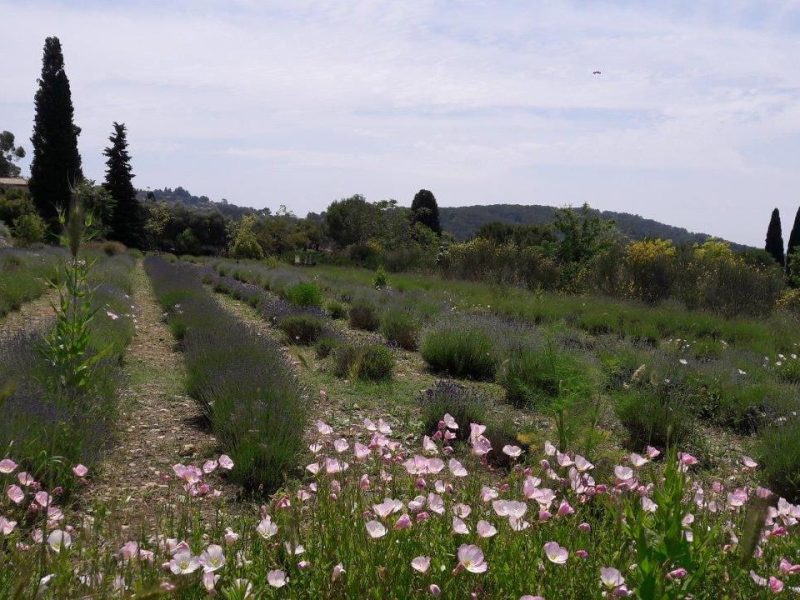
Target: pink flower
x,y
749,462
25,479
582,464
129,551
509,508
277,578
387,507
652,452
585,527
7,466
456,468
337,572
565,509
470,558
340,445
555,553
212,558
678,573
210,580
429,446
637,460
581,553
80,470
324,428
488,493
375,529
6,526
434,590
788,568
404,522
486,529
775,584
43,499
648,505
59,540
481,445
512,451
623,474
687,459
449,421
611,578
361,451
529,597
421,563
183,563
266,528
15,494
460,527
210,466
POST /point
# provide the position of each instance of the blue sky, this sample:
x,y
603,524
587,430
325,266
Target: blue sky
x,y
695,120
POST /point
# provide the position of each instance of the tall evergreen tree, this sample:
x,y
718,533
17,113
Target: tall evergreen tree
x,y
794,238
425,210
127,220
56,164
774,242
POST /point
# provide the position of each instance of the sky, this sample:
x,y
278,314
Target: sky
x,y
694,120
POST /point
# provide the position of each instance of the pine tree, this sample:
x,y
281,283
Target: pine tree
x,y
425,210
56,164
774,242
127,220
794,238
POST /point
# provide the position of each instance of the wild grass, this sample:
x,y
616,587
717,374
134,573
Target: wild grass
x,y
400,327
243,385
301,329
461,351
24,275
368,362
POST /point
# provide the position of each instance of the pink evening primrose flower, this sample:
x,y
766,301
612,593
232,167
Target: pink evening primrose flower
x,y
80,470
456,468
225,462
266,528
337,572
421,563
611,578
277,578
486,529
183,563
512,451
15,494
212,558
7,466
375,529
555,553
470,558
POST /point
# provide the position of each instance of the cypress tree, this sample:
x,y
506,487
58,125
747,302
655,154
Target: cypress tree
x,y
794,238
425,210
56,164
774,242
127,220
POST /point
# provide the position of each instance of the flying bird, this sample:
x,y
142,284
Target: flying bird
x,y
595,72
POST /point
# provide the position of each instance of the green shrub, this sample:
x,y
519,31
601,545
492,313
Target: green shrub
x,y
706,349
371,362
653,419
337,310
380,281
779,458
533,376
306,293
325,345
788,370
461,352
400,327
364,316
301,329
465,404
29,229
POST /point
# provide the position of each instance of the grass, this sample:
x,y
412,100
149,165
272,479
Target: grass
x,y
24,275
369,362
301,329
400,327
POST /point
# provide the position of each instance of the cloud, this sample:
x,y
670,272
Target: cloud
x,y
269,103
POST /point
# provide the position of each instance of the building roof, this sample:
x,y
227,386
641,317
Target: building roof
x,y
13,181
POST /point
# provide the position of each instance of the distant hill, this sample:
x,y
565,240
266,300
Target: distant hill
x,y
180,196
464,221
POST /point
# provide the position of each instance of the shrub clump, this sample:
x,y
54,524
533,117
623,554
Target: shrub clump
x,y
461,352
465,404
654,419
371,362
325,346
401,328
301,329
306,293
534,376
337,310
779,457
364,316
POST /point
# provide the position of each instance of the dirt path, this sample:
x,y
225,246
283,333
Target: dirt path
x,y
31,315
158,424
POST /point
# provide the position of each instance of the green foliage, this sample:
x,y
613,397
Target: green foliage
x,y
424,210
337,310
301,329
371,362
461,351
774,240
29,229
325,346
400,327
99,203
779,459
537,376
187,242
127,218
14,204
9,154
381,281
788,370
363,315
351,220
56,164
654,419
306,293
245,243
583,233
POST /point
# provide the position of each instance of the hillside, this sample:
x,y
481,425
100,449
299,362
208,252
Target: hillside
x,y
464,221
181,196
